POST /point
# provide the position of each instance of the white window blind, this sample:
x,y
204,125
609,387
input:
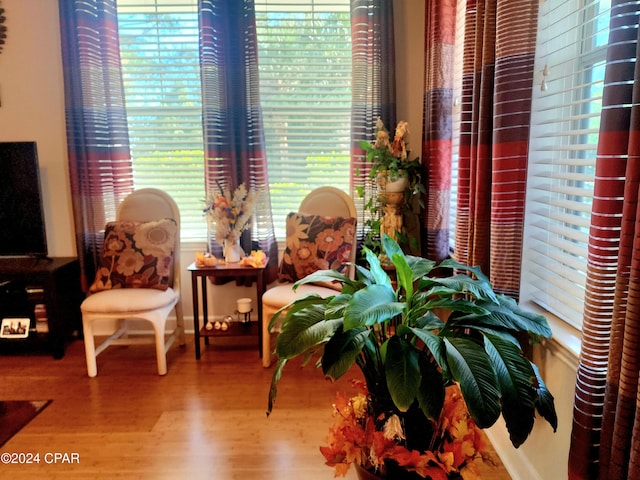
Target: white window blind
x,y
161,75
566,106
304,52
456,115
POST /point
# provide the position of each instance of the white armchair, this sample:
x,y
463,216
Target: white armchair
x,y
140,279
323,201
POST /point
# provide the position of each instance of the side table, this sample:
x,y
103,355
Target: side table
x,y
233,270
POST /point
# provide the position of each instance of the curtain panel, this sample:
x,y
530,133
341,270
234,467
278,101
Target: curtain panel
x,y
499,49
440,30
605,440
100,164
373,90
232,116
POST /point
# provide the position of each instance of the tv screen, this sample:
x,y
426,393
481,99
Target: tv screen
x,y
22,229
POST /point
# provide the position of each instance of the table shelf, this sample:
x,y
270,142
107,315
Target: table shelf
x,y
199,297
236,329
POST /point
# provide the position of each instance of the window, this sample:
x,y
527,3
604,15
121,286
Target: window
x,y
304,53
161,76
570,57
305,69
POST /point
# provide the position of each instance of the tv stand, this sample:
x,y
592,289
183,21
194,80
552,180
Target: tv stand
x,y
45,293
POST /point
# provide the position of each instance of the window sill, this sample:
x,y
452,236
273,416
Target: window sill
x,y
566,341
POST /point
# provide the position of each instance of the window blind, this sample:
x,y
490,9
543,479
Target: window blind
x,y
567,98
161,76
304,52
456,114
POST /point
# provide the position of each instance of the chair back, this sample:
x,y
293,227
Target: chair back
x,y
331,202
149,204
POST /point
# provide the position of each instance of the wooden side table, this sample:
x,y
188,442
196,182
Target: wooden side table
x,y
232,270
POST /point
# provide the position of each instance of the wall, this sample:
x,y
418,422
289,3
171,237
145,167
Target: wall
x,y
31,91
31,95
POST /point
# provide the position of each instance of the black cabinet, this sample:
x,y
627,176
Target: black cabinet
x,y
39,304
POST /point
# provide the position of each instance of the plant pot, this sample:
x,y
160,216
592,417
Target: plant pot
x,y
396,186
364,474
396,473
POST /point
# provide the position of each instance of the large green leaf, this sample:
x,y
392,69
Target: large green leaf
x,y
453,305
335,306
471,367
390,246
273,389
484,329
404,275
508,314
482,283
304,331
364,275
299,304
435,344
341,351
545,404
378,274
371,305
460,285
431,392
420,266
324,276
402,372
515,375
429,321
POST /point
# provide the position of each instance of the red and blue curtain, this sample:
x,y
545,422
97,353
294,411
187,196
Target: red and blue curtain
x,y
99,157
373,89
495,117
100,164
232,117
440,29
605,440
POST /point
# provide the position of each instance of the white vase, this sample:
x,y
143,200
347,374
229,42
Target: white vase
x,y
232,251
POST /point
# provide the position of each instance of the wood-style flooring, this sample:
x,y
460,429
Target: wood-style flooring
x,y
204,420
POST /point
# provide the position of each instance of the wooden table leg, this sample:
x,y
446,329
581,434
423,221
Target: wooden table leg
x,y
205,306
260,291
196,319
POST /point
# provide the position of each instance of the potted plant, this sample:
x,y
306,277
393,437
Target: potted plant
x,y
389,158
400,186
439,359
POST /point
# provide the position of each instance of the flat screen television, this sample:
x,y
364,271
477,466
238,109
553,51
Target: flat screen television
x,y
22,227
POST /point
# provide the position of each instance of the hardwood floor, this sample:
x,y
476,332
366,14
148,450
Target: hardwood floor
x,y
204,420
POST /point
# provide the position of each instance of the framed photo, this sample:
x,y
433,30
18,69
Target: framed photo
x,y
14,328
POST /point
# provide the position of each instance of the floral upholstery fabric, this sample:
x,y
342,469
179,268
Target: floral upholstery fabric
x,y
136,255
315,242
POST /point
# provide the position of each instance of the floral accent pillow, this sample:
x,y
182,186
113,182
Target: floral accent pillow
x,y
316,242
136,255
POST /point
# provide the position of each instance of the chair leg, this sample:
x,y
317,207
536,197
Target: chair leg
x,y
180,324
266,344
161,356
90,349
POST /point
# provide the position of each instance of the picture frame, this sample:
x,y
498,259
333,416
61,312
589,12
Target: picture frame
x,y
15,327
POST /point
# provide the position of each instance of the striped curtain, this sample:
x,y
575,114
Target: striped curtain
x,y
605,440
440,28
499,49
373,89
232,117
100,164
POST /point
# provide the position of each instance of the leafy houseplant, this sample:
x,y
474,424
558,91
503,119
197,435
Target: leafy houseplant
x,y
390,162
390,157
430,349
